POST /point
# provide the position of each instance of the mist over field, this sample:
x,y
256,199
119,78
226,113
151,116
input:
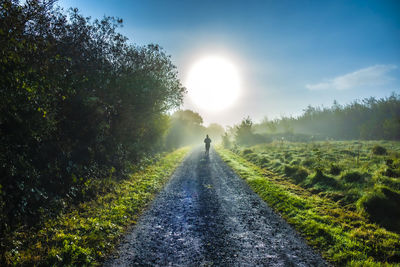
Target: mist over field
x,y
108,110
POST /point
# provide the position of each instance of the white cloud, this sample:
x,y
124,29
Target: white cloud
x,y
370,76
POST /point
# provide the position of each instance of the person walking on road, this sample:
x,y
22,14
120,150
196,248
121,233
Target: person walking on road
x,y
207,141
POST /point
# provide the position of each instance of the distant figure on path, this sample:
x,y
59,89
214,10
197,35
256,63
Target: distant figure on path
x,y
207,141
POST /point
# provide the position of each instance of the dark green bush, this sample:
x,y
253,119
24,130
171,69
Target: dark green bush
x,y
379,150
382,206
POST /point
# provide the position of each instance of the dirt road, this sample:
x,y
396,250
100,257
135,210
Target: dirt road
x,y
208,216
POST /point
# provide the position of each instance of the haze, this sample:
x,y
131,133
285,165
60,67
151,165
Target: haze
x,y
290,54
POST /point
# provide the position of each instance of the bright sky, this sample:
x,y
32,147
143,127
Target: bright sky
x,y
289,54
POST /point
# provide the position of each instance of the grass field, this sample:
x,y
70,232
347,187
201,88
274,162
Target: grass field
x,y
86,234
342,196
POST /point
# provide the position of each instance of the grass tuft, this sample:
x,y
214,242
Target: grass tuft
x,y
382,206
379,150
343,236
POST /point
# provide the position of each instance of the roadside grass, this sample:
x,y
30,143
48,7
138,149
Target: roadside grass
x,y
87,233
362,176
343,236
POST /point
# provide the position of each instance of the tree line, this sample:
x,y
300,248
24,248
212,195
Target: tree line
x,y
367,119
78,103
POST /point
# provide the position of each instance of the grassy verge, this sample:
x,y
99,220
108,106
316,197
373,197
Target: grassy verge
x,y
344,237
85,235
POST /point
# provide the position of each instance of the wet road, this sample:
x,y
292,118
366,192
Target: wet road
x,y
208,216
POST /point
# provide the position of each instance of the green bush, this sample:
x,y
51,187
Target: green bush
x,y
379,150
382,206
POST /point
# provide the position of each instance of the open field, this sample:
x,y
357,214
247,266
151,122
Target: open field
x,y
342,196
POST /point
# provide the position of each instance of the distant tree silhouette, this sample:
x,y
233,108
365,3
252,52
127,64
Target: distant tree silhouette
x,y
366,119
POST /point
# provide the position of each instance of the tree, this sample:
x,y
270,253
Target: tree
x,y
185,128
215,131
244,132
76,101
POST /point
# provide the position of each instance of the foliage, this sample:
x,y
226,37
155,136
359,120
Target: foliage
x,y
86,234
244,134
343,236
226,141
77,104
368,119
216,132
185,128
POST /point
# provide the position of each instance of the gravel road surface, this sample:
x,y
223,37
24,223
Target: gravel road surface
x,y
208,216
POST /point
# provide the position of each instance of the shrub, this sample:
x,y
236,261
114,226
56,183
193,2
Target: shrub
x,y
379,150
226,142
382,206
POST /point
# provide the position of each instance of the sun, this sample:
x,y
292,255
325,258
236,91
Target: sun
x,y
213,83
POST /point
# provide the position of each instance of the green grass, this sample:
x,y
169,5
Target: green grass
x,y
89,232
343,235
348,172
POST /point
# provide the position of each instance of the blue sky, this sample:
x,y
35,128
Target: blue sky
x,y
290,54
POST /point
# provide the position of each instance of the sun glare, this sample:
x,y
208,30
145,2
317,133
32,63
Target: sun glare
x,y
213,83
